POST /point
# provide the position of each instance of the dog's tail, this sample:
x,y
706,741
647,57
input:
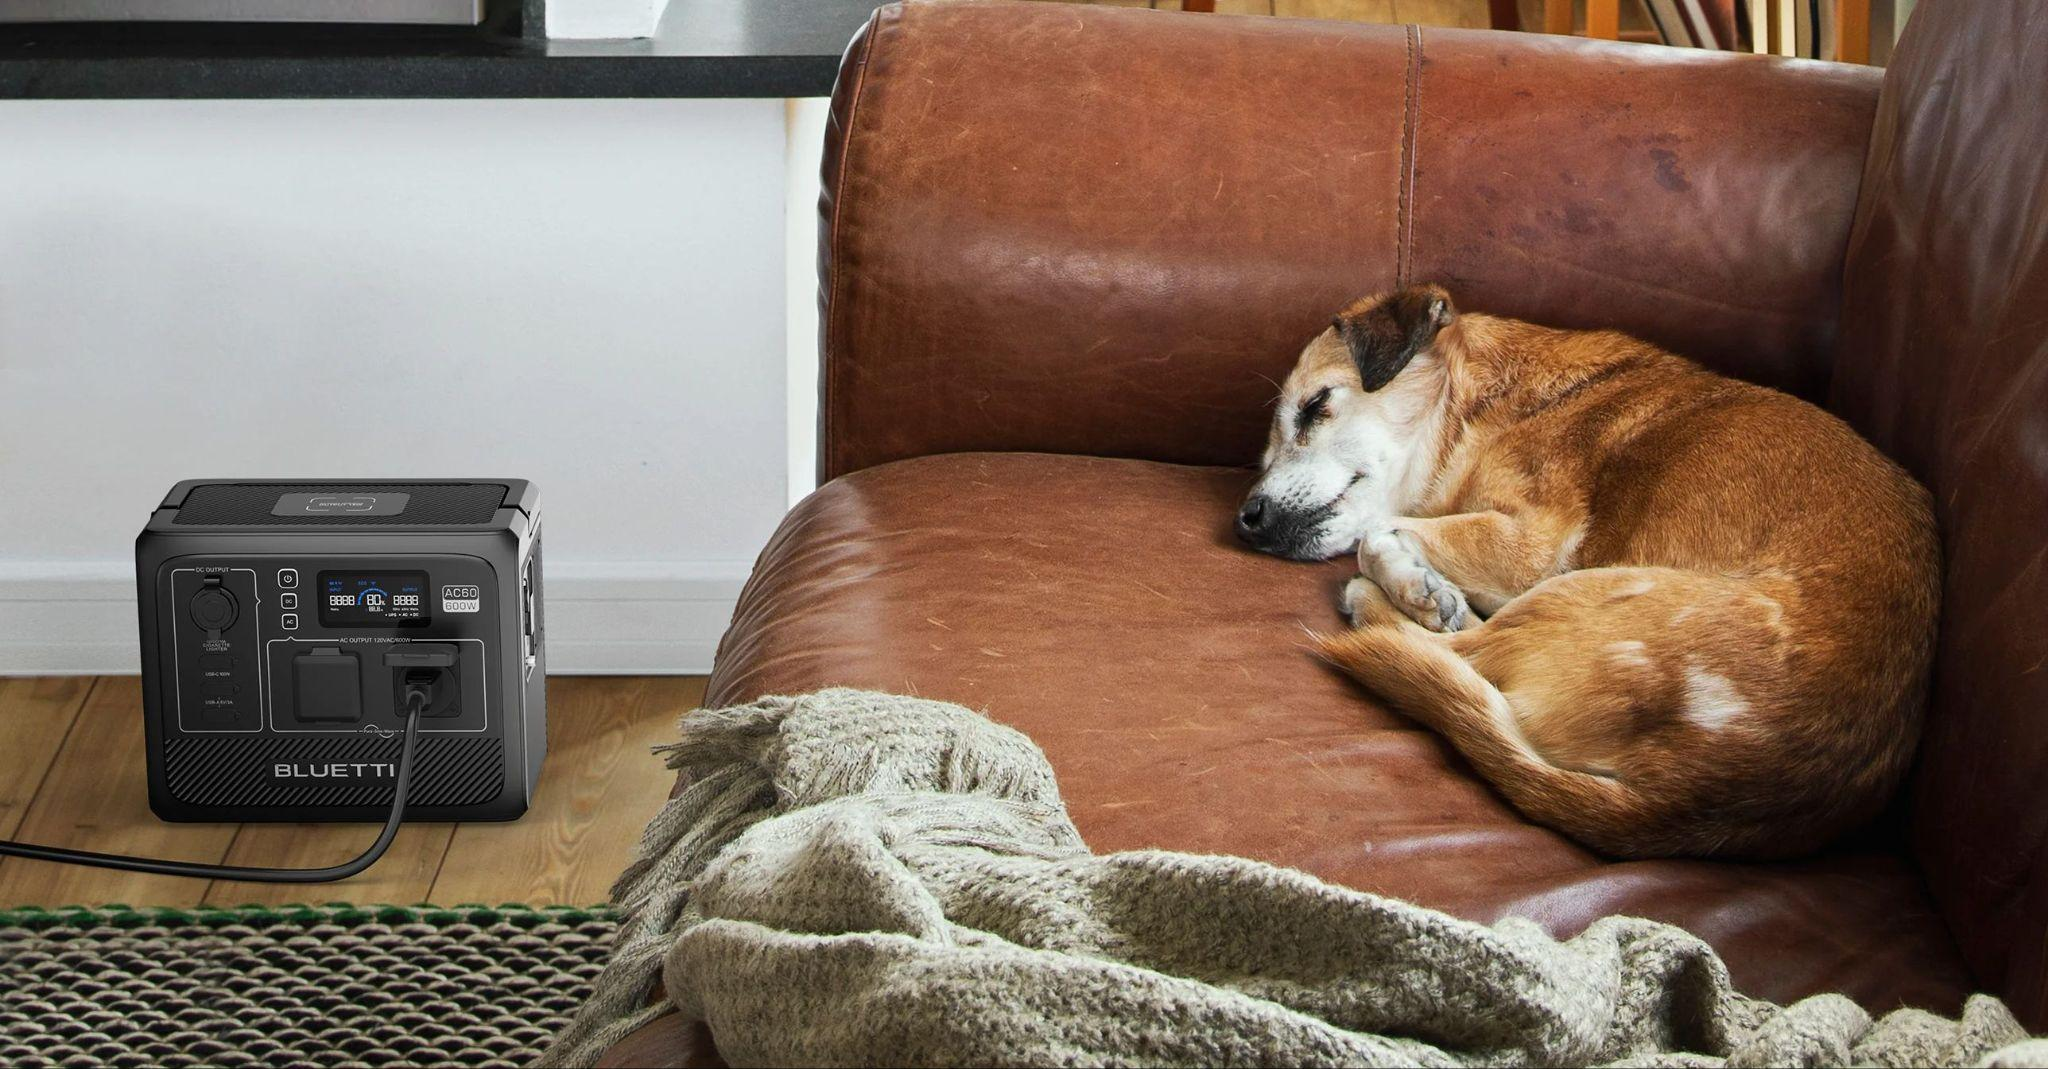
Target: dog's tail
x,y
1414,671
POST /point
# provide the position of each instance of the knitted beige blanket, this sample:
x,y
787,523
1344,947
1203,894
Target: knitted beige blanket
x,y
857,878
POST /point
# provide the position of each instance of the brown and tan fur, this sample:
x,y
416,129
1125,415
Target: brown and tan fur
x,y
1708,607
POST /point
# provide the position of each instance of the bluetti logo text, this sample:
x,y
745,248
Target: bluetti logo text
x,y
338,770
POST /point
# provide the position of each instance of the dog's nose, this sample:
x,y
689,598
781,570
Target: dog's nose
x,y
1251,519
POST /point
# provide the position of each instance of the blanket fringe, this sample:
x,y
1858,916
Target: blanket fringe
x,y
724,799
742,766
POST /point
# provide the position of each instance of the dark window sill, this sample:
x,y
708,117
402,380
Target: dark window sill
x,y
705,48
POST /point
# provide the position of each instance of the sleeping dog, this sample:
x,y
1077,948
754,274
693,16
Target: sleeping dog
x,y
1662,611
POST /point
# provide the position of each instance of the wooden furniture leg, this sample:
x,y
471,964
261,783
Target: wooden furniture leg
x,y
1603,19
1557,17
1853,20
1506,14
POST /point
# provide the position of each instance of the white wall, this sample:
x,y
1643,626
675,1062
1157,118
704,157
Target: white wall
x,y
590,294
604,18
808,118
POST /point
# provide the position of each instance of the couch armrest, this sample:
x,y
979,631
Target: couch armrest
x,y
1103,230
1947,318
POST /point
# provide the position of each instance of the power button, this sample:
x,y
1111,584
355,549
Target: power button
x,y
287,577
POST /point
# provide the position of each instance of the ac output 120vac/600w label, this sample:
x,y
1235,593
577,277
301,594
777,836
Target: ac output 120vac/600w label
x,y
462,599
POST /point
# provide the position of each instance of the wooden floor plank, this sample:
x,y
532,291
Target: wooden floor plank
x,y
96,797
403,876
35,715
599,788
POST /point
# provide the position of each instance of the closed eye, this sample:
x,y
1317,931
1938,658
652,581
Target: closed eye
x,y
1312,410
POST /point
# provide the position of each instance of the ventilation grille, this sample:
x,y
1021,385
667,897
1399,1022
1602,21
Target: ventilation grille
x,y
223,771
427,504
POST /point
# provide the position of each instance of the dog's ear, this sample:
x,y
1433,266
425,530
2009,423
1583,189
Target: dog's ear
x,y
1384,334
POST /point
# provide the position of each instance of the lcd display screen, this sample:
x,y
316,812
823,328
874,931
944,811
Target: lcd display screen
x,y
373,599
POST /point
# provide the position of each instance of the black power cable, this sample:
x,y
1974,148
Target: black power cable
x,y
417,700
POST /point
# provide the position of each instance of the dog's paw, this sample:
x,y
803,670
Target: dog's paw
x,y
1362,602
1365,604
1419,591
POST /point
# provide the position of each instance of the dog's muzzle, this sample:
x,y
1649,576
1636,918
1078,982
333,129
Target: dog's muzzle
x,y
1268,528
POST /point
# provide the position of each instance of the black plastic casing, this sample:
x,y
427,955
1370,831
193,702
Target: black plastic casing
x,y
225,741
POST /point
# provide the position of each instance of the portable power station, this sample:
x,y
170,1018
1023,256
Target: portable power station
x,y
288,627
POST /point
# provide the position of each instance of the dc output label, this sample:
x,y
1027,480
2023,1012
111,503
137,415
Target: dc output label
x,y
462,599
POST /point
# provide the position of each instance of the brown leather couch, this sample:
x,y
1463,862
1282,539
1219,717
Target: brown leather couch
x,y
1065,251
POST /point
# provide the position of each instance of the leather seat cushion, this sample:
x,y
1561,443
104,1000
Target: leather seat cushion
x,y
1102,607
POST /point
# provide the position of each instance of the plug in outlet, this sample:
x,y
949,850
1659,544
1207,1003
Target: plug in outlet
x,y
432,667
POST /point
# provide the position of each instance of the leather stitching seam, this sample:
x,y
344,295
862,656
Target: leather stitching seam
x,y
1405,210
834,454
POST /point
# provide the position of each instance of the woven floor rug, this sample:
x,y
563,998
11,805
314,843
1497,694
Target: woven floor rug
x,y
314,985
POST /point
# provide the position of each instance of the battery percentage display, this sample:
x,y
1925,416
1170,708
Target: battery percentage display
x,y
373,599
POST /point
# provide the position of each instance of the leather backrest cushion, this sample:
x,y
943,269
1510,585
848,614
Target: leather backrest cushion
x,y
1103,230
1945,365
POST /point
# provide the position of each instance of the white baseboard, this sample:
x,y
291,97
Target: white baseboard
x,y
614,618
